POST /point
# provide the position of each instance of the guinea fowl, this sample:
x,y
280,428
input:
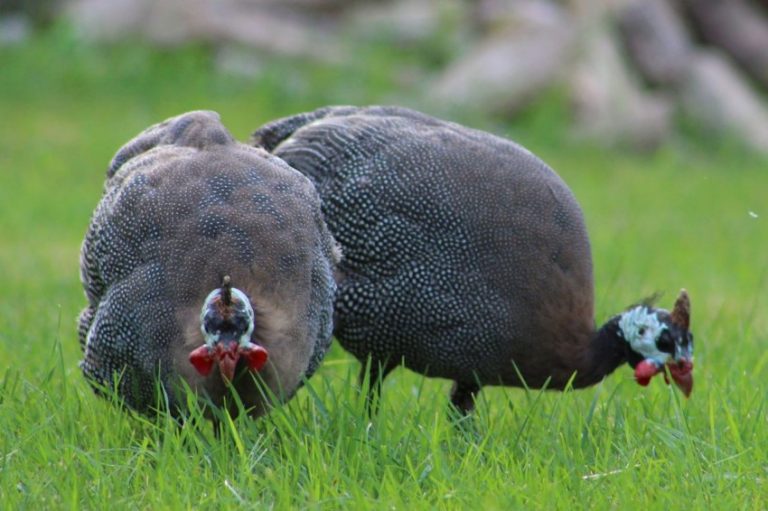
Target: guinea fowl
x,y
204,260
465,257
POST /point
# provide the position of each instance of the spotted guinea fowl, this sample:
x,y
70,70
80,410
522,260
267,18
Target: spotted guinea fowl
x,y
204,260
465,257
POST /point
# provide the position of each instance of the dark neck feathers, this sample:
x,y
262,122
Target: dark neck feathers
x,y
607,350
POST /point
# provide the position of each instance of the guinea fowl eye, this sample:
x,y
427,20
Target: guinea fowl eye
x,y
641,331
665,344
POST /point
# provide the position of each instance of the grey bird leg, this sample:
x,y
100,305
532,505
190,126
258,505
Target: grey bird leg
x,y
375,371
463,396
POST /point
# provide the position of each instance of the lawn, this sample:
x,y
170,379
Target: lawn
x,y
693,214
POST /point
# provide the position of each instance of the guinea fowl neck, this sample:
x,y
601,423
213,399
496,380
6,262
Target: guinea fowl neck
x,y
607,351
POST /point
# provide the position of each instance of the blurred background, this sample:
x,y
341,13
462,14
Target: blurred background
x,y
632,74
653,111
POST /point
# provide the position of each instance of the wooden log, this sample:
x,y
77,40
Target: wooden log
x,y
738,27
718,98
656,41
508,68
610,107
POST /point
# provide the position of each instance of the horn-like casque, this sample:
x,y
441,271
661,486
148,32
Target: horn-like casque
x,y
681,313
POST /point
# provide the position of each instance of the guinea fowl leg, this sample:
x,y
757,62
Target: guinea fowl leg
x,y
374,371
463,396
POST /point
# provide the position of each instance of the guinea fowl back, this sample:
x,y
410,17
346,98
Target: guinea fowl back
x,y
184,205
462,251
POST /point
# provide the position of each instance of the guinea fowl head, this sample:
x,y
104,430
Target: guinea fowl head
x,y
655,338
227,322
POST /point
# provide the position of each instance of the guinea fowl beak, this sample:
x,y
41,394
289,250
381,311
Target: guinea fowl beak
x,y
682,374
227,355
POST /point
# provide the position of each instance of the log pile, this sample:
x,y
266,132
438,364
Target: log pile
x,y
632,68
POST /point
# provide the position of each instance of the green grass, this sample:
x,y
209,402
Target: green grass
x,y
683,217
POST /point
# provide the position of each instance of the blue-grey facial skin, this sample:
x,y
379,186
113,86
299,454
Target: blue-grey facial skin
x,y
227,323
641,327
239,326
651,334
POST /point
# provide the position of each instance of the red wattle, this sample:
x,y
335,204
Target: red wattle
x,y
202,359
682,373
256,356
644,371
643,381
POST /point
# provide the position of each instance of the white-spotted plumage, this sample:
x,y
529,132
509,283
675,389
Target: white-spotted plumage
x,y
185,205
465,256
